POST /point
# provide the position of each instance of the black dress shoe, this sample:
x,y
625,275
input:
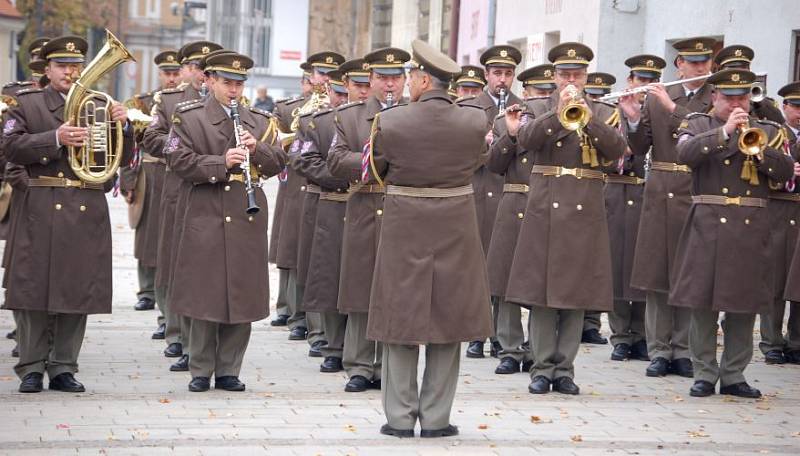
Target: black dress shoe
x,y
357,384
31,383
298,333
792,356
775,357
159,333
592,336
375,384
12,334
448,431
682,367
228,383
495,349
639,351
15,351
475,349
280,320
658,367
199,384
621,352
402,433
181,365
508,365
315,351
740,389
539,385
526,366
66,382
701,388
174,350
145,304
331,364
565,385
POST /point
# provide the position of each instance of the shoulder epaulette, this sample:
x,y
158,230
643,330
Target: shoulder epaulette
x,y
540,97
28,91
18,84
288,99
143,95
769,122
186,102
349,105
692,115
306,114
323,112
181,87
259,111
183,107
466,98
605,103
294,100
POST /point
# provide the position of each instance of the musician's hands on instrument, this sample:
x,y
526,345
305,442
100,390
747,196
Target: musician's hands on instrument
x,y
489,138
129,196
119,113
234,157
513,116
658,91
248,141
738,117
71,136
629,105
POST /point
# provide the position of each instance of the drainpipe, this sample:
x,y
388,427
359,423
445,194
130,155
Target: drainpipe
x,y
492,22
455,13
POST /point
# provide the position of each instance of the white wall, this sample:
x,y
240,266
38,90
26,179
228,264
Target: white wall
x,y
473,27
289,33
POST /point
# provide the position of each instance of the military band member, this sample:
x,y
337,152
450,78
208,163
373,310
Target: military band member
x,y
500,63
429,237
222,290
327,195
599,84
283,114
152,170
741,57
667,199
290,236
784,210
470,82
63,226
562,260
14,177
726,233
155,137
361,357
538,81
624,193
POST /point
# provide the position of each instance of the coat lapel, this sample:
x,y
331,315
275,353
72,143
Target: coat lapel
x,y
55,103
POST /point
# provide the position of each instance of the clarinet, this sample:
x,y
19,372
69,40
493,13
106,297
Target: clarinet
x,y
389,100
250,189
203,90
501,104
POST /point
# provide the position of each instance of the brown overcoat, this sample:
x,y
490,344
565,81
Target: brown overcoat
x,y
364,210
61,253
322,283
784,217
562,259
430,283
221,271
723,262
666,196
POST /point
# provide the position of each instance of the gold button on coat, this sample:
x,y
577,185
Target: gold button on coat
x,y
228,218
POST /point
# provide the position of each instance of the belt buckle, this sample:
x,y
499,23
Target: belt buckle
x,y
734,201
567,172
526,187
68,183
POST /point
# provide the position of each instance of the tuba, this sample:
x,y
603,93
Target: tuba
x,y
98,159
574,116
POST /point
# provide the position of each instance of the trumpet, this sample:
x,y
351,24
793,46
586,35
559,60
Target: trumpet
x,y
758,92
574,116
250,188
752,140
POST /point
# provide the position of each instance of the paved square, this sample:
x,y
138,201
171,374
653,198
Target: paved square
x,y
134,405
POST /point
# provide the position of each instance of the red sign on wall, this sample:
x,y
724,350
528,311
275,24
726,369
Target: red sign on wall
x,y
291,55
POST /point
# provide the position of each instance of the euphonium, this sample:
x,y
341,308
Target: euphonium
x,y
574,116
99,158
752,141
317,100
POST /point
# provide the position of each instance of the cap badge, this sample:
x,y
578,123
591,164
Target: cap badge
x,y
738,53
170,58
471,73
548,74
598,80
571,53
699,46
70,46
236,64
649,64
390,58
735,77
503,53
328,59
205,50
365,66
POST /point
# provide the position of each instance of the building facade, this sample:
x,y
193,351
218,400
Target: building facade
x,y
11,24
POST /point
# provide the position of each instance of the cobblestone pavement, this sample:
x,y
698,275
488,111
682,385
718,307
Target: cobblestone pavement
x,y
134,405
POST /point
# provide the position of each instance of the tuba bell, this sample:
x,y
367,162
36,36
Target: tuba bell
x,y
574,116
98,159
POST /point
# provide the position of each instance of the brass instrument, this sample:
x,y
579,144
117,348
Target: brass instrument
x,y
758,92
138,119
98,159
250,188
574,116
317,100
6,103
752,142
614,96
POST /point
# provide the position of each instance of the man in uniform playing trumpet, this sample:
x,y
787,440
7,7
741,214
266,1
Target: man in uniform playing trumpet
x,y
61,267
721,263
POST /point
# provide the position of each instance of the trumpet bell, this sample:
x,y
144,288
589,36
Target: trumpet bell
x,y
752,141
574,116
757,93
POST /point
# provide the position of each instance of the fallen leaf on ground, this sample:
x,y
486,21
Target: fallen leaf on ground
x,y
62,426
576,438
535,419
697,434
350,428
164,400
483,426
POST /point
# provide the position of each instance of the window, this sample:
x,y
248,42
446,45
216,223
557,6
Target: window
x,y
796,63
